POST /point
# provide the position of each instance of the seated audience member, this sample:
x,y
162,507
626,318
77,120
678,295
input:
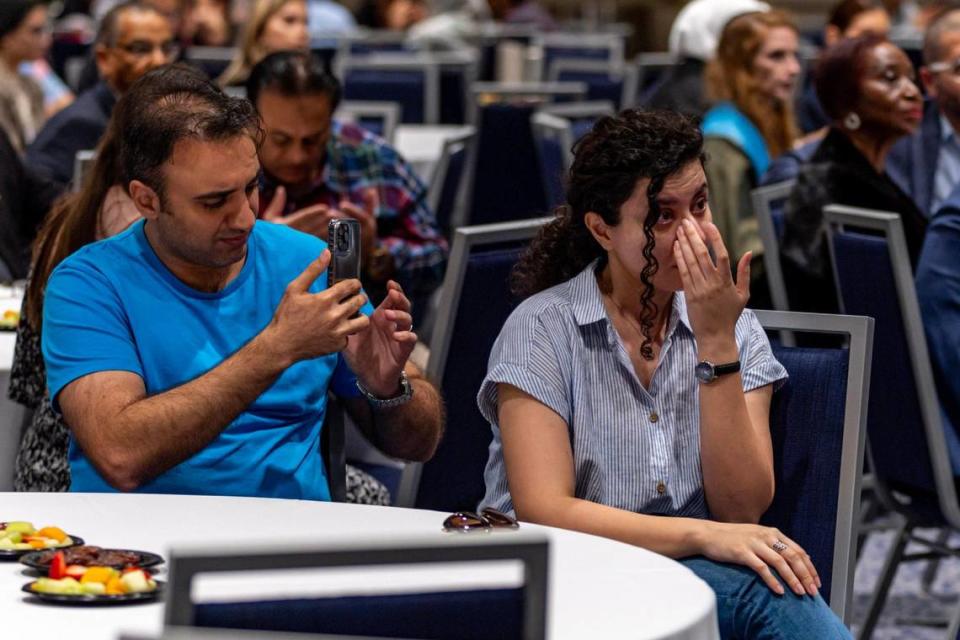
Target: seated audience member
x,y
23,37
391,15
693,40
848,19
329,17
133,39
622,301
529,12
234,402
276,25
206,23
866,86
753,79
99,210
171,10
25,198
927,164
452,24
938,293
317,168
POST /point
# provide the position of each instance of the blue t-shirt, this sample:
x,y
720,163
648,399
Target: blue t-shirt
x,y
114,306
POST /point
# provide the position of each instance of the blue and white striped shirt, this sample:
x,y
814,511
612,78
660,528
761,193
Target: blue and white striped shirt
x,y
633,448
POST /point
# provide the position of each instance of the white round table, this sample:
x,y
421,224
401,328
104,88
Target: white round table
x,y
597,588
421,145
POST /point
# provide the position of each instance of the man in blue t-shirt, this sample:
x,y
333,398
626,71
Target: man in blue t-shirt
x,y
193,352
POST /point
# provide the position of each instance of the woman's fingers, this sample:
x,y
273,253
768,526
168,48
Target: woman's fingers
x,y
805,557
766,574
719,250
783,567
682,267
690,259
743,275
699,248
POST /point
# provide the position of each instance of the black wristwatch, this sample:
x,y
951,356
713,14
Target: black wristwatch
x,y
707,372
406,392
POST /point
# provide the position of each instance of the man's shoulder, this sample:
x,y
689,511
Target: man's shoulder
x,y
353,136
285,248
109,254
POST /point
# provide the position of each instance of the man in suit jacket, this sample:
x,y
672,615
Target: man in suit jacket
x,y
927,164
134,38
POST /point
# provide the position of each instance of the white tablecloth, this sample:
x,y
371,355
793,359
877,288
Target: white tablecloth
x,y
421,145
597,588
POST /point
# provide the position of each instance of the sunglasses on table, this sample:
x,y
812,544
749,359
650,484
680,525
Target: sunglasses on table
x,y
486,520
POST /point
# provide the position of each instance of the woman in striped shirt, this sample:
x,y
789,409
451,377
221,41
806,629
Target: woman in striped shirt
x,y
601,424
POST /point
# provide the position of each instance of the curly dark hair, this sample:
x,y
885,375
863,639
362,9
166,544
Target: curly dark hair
x,y
608,162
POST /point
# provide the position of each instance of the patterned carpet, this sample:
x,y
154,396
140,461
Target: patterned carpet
x,y
907,603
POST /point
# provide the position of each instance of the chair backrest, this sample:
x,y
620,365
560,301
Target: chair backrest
x,y
447,193
768,207
554,138
581,115
818,426
411,81
474,304
459,69
405,611
605,81
213,61
525,93
82,163
380,118
908,450
581,46
651,67
373,41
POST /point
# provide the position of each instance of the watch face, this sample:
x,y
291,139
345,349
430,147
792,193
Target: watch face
x,y
704,372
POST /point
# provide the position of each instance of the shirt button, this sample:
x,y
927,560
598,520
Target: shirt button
x,y
653,416
661,488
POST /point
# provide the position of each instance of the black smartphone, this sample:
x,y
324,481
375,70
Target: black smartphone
x,y
344,242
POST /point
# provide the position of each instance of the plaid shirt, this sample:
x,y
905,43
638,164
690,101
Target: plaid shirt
x,y
356,160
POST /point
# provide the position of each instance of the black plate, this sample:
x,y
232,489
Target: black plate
x,y
14,554
147,559
89,600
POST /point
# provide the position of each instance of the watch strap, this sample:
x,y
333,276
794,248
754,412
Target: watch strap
x,y
406,392
723,369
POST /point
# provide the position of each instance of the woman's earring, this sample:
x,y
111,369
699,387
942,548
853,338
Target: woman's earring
x,y
852,121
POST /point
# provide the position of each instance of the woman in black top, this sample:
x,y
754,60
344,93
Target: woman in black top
x,y
866,86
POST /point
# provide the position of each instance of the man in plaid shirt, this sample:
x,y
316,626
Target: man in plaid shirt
x,y
317,169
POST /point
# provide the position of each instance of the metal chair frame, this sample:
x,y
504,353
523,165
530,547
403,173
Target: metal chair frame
x,y
762,209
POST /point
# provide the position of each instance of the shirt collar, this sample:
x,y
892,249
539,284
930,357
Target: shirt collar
x,y
586,300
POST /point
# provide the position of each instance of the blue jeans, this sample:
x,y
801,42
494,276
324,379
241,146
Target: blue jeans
x,y
748,610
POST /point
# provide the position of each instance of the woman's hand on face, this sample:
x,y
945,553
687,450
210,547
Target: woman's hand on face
x,y
752,546
714,301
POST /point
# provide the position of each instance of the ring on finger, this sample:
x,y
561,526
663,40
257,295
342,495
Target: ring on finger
x,y
779,546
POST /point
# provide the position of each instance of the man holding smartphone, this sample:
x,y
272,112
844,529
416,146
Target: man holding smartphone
x,y
317,169
193,352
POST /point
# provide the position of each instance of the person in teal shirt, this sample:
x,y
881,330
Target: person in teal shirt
x,y
193,352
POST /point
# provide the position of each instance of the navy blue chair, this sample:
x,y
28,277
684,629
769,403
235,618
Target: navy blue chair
x,y
652,68
447,186
474,304
412,83
768,207
505,179
818,426
578,46
616,84
907,445
379,118
213,61
554,138
476,613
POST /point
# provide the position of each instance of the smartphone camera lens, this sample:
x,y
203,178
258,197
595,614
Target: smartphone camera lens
x,y
342,244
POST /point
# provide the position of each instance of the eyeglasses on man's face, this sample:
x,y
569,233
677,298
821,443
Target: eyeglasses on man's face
x,y
143,48
486,520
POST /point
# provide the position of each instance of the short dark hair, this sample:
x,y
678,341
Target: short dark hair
x,y
293,73
947,21
110,24
838,74
13,13
193,108
846,11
